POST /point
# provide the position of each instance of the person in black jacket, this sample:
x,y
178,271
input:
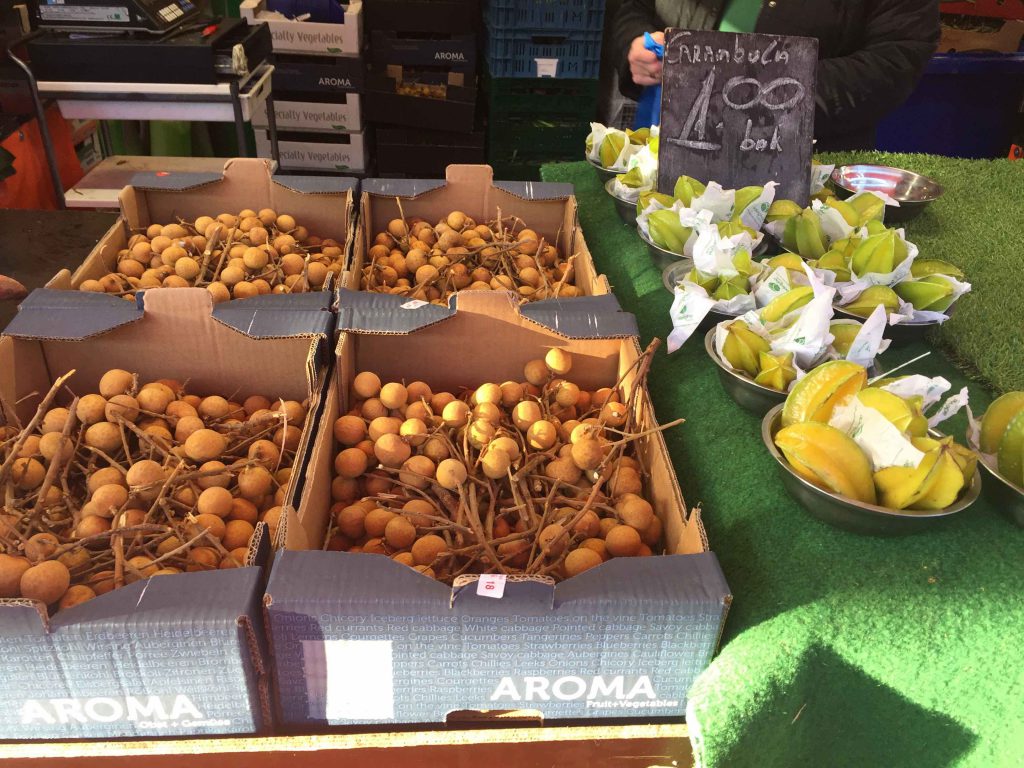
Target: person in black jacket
x,y
871,53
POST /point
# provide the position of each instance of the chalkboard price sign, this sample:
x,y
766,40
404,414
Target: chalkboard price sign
x,y
738,109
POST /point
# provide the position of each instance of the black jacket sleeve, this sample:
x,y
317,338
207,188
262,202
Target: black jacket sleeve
x,y
633,19
855,91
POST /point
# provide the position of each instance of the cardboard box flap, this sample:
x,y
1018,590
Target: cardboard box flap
x,y
694,578
227,595
172,182
400,187
21,618
313,576
279,316
536,190
587,317
70,315
318,184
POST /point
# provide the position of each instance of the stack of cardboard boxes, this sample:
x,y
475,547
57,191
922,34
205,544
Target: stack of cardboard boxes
x,y
421,85
317,82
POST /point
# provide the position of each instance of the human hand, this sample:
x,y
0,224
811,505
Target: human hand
x,y
644,64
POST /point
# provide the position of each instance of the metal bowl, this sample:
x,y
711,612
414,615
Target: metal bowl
x,y
901,333
602,173
625,209
744,390
912,190
855,516
1004,495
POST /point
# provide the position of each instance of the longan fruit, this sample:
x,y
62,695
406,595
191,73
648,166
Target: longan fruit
x,y
383,425
625,480
536,372
76,595
186,268
288,437
186,427
155,398
558,361
203,559
414,431
399,533
54,420
243,509
553,539
526,414
221,479
394,395
214,407
107,499
622,541
123,406
580,560
366,384
634,511
651,535
455,414
541,435
391,450
418,512
205,445
27,474
141,473
90,525
237,534
426,549
588,526
495,463
11,570
451,474
219,292
116,382
351,463
254,483
606,524
46,581
213,524
377,520
597,545
436,450
215,501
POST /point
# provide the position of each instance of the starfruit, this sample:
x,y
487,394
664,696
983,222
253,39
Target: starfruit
x,y
869,208
828,458
1010,458
734,227
850,214
997,418
782,209
611,148
835,261
666,231
787,260
894,408
933,293
632,178
744,264
880,253
742,348
646,197
708,282
810,239
744,197
872,296
817,394
777,371
639,136
686,189
843,334
731,287
791,300
925,267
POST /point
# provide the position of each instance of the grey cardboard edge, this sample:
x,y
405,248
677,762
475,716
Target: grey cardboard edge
x,y
316,577
317,185
173,182
47,313
273,318
528,190
585,317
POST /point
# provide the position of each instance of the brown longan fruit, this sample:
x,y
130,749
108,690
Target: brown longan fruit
x,y
254,483
451,474
427,549
27,474
219,292
108,499
384,425
455,414
221,479
541,435
215,501
288,437
399,533
418,512
597,545
116,381
651,535
155,398
237,534
76,595
391,450
350,463
580,560
625,480
205,445
91,525
349,430
558,361
141,473
634,511
394,395
243,509
104,436
123,406
54,420
11,570
31,446
46,581
213,524
366,384
606,524
186,427
377,520
351,521
553,539
203,559
536,372
622,541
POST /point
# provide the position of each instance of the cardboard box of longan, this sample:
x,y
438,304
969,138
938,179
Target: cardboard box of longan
x,y
548,209
171,655
323,205
363,639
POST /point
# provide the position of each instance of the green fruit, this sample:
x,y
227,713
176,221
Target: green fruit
x,y
925,267
876,253
850,214
639,136
787,260
708,282
666,231
744,197
731,287
645,199
875,227
843,332
997,418
865,304
810,239
734,227
789,234
633,178
933,293
1011,451
686,189
611,148
742,348
782,209
835,261
869,208
777,371
789,301
743,264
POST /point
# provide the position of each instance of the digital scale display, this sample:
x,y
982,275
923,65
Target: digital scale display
x,y
154,16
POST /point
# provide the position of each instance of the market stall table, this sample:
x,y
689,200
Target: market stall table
x,y
843,649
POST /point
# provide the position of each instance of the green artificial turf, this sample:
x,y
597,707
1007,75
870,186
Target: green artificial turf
x,y
846,650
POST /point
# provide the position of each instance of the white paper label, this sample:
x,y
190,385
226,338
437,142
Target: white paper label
x,y
884,444
547,67
349,679
414,304
491,585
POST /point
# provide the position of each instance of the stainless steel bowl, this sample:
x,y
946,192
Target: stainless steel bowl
x,y
901,333
625,209
744,390
602,173
1004,495
661,257
912,190
851,515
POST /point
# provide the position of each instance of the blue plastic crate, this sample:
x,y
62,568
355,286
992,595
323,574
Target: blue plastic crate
x,y
543,53
574,15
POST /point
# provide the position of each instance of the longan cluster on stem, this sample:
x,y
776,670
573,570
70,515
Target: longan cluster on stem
x,y
132,482
234,257
429,263
534,477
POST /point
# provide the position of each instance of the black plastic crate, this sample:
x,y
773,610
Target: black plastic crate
x,y
543,53
440,16
425,98
544,96
413,153
537,137
319,75
580,15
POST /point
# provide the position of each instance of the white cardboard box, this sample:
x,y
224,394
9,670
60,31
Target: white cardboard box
x,y
309,37
340,116
333,152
